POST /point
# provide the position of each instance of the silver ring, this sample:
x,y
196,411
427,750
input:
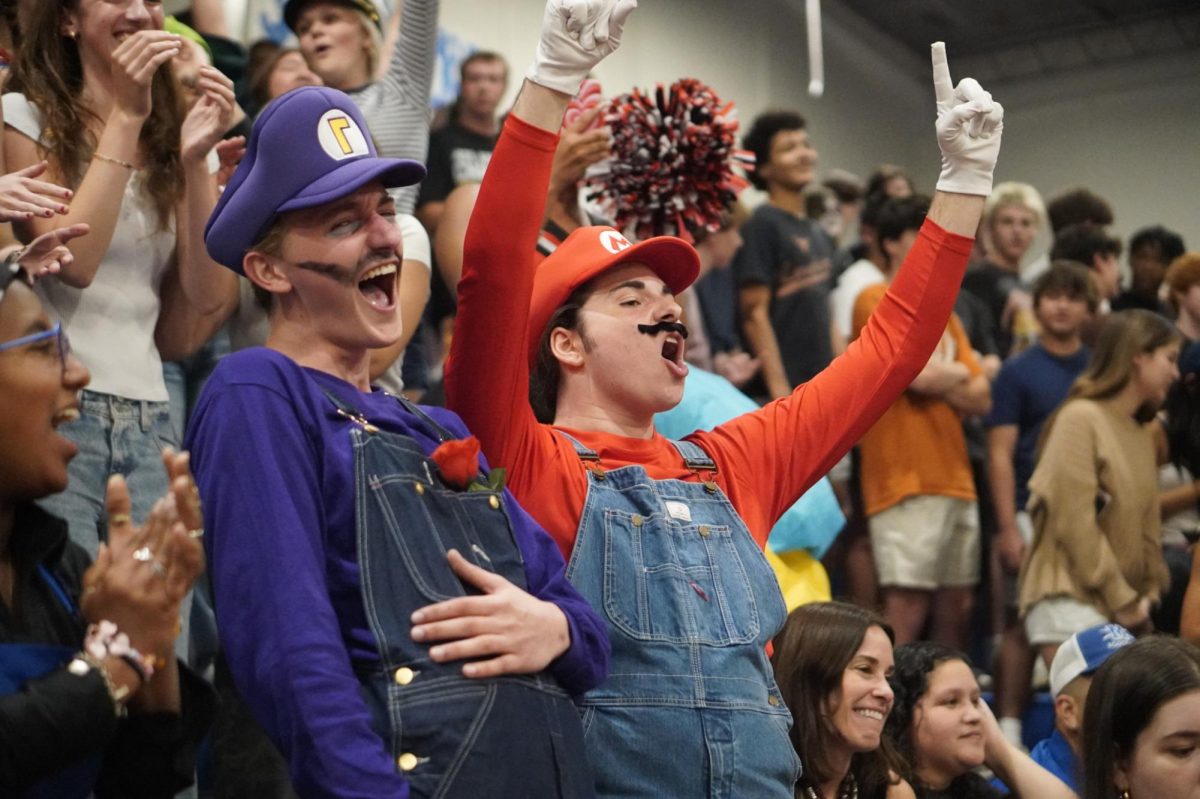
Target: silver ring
x,y
158,569
143,555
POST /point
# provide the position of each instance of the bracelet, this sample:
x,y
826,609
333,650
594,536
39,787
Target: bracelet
x,y
104,640
85,662
116,161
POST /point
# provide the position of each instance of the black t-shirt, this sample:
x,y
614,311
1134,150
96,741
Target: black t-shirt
x,y
793,257
968,786
457,156
992,284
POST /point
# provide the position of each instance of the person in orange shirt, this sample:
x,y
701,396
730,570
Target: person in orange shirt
x,y
665,537
916,476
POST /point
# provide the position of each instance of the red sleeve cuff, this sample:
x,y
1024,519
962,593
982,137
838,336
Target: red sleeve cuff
x,y
530,135
944,238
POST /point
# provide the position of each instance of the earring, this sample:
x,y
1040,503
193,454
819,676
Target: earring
x,y
1124,794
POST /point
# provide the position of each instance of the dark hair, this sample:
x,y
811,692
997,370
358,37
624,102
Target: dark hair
x,y
816,199
812,651
48,71
910,681
869,215
1169,244
883,175
1068,278
847,187
478,56
1076,207
762,132
899,215
1182,412
1082,242
1126,694
546,377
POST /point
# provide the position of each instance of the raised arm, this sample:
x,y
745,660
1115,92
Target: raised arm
x,y
796,439
487,376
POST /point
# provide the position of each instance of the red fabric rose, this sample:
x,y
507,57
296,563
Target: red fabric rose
x,y
458,461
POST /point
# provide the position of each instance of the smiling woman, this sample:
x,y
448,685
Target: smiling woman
x,y
65,686
944,731
832,661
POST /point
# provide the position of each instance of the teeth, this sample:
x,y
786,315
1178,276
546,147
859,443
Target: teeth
x,y
379,271
66,415
871,714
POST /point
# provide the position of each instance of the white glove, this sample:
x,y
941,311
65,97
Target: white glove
x,y
969,124
576,36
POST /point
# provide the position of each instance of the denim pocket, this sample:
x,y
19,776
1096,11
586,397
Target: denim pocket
x,y
437,732
678,583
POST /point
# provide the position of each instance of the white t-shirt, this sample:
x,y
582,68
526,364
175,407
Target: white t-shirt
x,y
858,276
111,322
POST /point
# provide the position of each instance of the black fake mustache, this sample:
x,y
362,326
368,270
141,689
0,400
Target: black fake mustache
x,y
664,327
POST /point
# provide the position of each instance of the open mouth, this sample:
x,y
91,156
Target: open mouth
x,y
64,415
322,49
672,353
378,285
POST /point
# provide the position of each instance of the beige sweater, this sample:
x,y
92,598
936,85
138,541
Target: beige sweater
x,y
1094,504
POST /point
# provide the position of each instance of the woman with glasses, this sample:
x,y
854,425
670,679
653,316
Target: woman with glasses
x,y
92,701
88,92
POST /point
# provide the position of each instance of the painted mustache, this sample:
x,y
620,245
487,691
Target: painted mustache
x,y
664,327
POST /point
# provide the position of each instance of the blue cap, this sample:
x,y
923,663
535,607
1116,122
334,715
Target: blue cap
x,y
1084,652
308,147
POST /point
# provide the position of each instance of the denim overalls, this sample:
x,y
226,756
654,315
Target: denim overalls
x,y
690,708
20,663
517,735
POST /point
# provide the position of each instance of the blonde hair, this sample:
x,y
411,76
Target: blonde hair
x,y
1014,193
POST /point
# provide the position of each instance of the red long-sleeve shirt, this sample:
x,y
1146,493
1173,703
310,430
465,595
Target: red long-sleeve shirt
x,y
766,459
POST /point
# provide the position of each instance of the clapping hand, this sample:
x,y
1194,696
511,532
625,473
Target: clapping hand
x,y
209,117
22,196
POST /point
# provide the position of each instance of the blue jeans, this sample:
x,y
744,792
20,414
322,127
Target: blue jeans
x,y
115,436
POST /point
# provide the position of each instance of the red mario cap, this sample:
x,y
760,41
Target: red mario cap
x,y
591,251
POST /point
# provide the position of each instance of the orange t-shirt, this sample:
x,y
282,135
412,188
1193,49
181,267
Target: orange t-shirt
x,y
765,459
917,447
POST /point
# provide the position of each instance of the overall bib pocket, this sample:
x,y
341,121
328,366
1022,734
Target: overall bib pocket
x,y
673,582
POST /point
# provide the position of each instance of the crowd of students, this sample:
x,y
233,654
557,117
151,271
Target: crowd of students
x,y
336,592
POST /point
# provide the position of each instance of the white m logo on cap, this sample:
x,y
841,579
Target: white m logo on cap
x,y
340,137
614,242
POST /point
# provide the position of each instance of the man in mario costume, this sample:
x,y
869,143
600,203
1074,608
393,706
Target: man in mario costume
x,y
560,368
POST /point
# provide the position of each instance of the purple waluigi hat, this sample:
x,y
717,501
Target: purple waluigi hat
x,y
308,147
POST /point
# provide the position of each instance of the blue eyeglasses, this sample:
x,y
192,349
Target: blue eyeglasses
x,y
56,332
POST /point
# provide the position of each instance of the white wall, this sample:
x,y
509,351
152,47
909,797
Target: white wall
x,y
752,52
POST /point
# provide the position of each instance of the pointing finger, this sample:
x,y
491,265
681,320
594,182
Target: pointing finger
x,y
943,86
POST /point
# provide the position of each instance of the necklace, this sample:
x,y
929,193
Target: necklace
x,y
847,790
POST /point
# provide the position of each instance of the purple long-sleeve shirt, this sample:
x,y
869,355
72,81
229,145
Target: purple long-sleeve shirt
x,y
276,473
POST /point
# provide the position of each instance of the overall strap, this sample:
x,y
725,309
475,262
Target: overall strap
x,y
350,412
442,433
59,592
694,457
584,453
